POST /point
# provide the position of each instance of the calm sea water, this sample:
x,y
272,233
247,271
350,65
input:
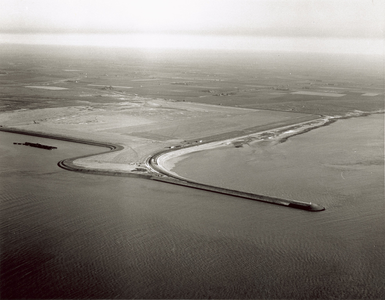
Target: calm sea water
x,y
70,235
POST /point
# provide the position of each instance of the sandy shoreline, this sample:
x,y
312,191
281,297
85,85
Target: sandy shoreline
x,y
163,160
142,133
69,164
280,134
106,161
85,164
144,126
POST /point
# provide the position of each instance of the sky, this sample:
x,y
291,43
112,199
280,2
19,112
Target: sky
x,y
326,26
314,18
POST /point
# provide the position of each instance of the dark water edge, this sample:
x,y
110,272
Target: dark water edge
x,y
71,235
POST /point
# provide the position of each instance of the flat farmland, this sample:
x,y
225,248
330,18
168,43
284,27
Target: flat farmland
x,y
261,80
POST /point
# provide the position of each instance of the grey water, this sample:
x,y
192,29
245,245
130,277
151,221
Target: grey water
x,y
70,235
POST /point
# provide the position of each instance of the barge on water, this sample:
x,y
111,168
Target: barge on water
x,y
36,145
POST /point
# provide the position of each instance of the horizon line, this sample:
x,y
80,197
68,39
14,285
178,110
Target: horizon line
x,y
286,33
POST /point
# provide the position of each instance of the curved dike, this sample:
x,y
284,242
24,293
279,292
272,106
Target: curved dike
x,y
178,180
68,164
166,177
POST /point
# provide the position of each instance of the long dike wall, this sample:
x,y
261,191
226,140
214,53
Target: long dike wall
x,y
159,175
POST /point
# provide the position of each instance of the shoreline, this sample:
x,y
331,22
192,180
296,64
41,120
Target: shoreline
x,y
161,174
156,167
158,161
279,134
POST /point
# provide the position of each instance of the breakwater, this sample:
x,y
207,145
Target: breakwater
x,y
68,163
174,179
278,201
37,145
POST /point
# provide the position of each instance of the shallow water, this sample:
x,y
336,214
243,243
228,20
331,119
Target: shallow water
x,y
332,164
71,235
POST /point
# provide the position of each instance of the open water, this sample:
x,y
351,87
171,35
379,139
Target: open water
x,y
72,235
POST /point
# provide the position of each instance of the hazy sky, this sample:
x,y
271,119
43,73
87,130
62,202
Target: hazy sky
x,y
317,18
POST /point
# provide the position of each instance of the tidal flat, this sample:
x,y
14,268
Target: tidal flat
x,y
72,235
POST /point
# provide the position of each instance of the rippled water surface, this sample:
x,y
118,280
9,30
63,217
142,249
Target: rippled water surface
x,y
70,235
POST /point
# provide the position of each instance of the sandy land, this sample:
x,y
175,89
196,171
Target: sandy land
x,y
318,94
112,86
146,126
166,162
370,94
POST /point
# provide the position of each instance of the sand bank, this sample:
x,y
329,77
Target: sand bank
x,y
166,160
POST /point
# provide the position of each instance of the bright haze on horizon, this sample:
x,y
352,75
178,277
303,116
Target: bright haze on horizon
x,y
308,21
